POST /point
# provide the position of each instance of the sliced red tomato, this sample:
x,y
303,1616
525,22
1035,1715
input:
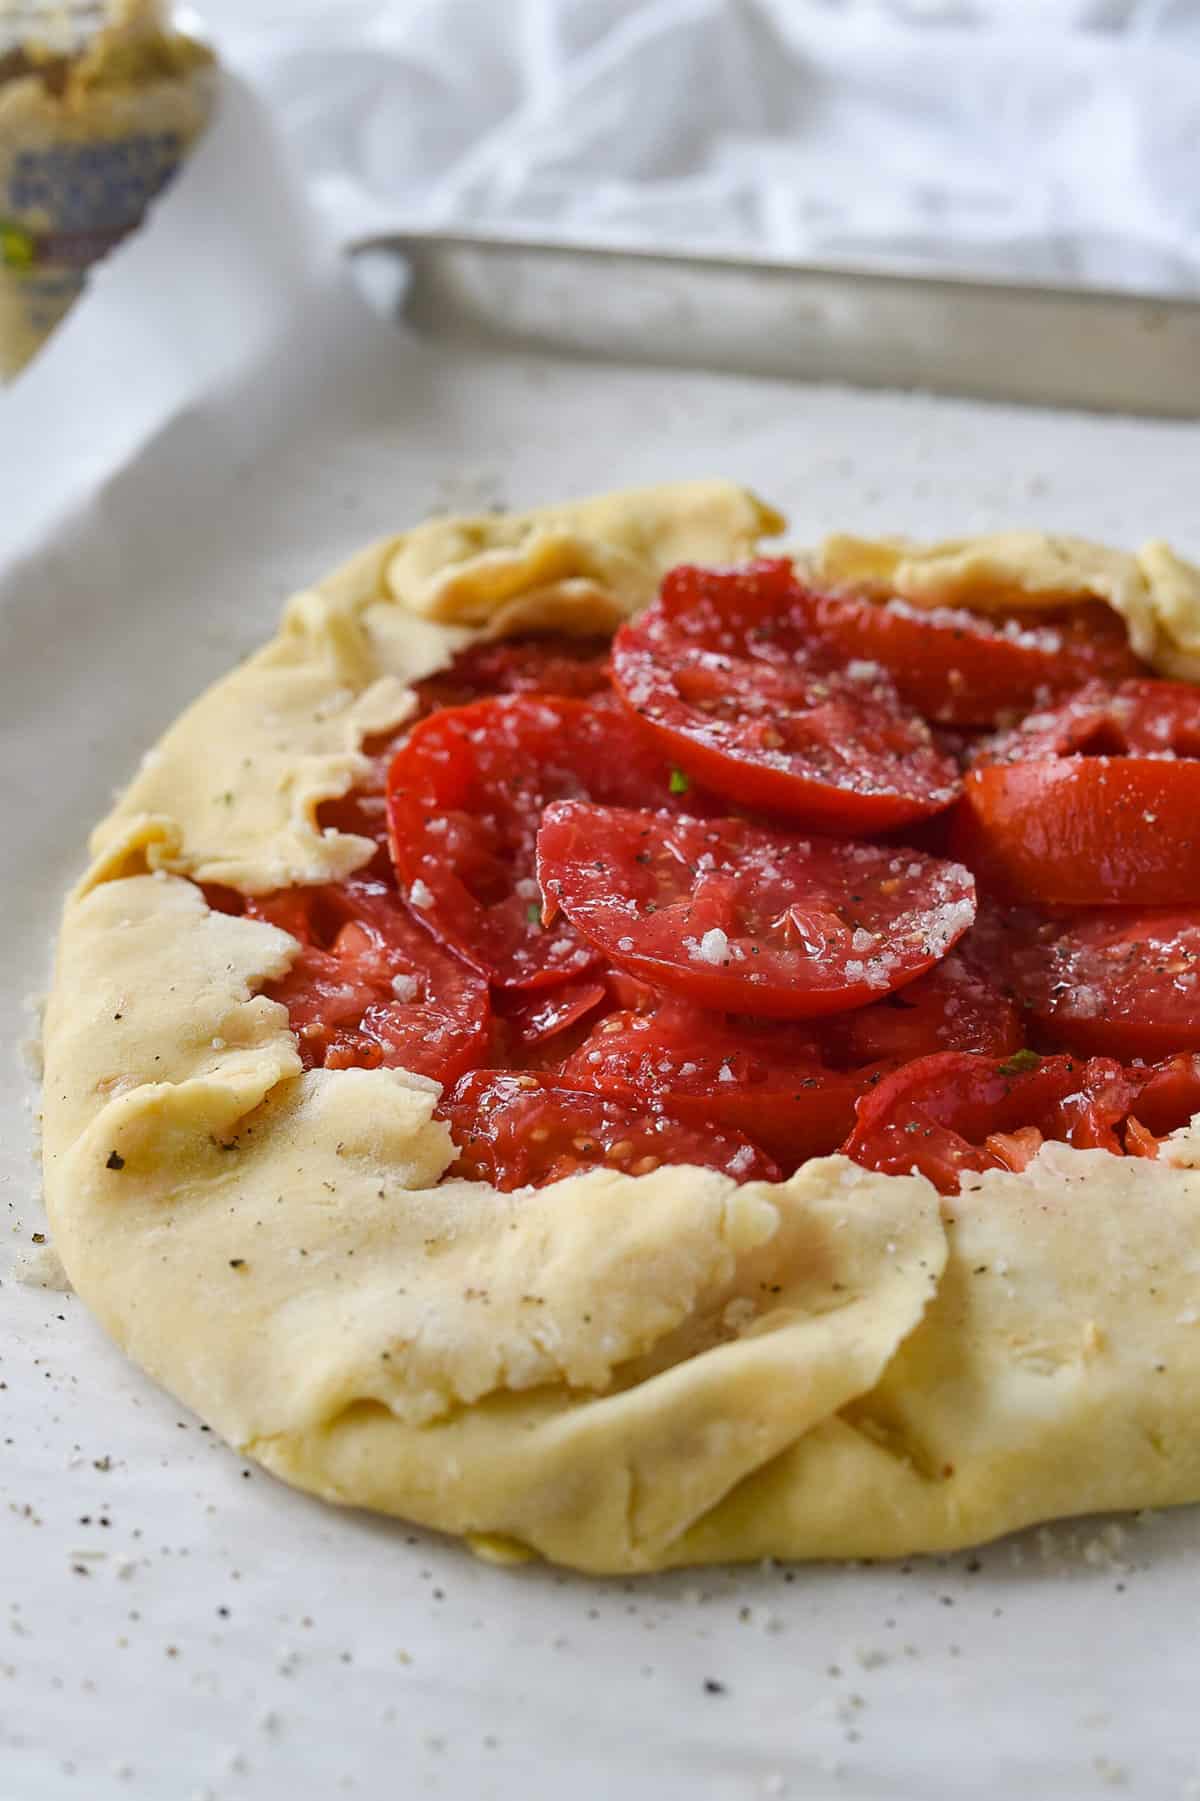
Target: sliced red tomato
x,y
537,1015
953,1007
1147,718
549,664
526,1130
540,1027
952,1113
727,675
630,994
743,919
729,605
1115,981
1083,831
466,793
370,988
966,669
766,1081
1091,803
1169,1098
1095,641
554,664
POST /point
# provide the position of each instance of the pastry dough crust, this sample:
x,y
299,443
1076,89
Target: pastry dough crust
x,y
618,1374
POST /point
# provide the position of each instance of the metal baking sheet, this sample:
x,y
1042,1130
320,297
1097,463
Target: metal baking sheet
x,y
1052,346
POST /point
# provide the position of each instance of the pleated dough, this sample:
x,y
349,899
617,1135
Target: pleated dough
x,y
620,1374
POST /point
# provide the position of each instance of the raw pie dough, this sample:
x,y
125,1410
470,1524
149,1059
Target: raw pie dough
x,y
619,1374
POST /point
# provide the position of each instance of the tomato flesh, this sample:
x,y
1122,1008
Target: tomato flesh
x,y
1169,1098
1090,803
567,667
571,668
605,964
768,1082
747,920
964,669
1083,831
370,989
534,1016
1118,981
466,794
518,1130
938,1114
1148,718
953,1007
725,673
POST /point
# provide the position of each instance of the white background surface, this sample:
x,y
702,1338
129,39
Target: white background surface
x,y
354,1657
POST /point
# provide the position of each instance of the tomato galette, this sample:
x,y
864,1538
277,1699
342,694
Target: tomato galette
x,y
625,1046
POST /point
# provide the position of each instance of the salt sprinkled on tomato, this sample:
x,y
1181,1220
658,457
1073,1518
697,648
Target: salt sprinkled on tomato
x,y
571,923
726,672
766,927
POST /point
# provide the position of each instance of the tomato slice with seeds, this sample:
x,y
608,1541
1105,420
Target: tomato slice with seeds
x,y
949,1114
727,675
743,919
526,1130
466,793
370,989
953,1007
965,669
767,1082
742,933
1120,981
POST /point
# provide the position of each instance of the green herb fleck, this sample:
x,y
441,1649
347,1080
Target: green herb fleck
x,y
680,783
533,913
1019,1063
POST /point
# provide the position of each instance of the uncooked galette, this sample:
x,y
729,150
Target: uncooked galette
x,y
624,1045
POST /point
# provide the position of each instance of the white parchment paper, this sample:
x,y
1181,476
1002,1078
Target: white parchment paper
x,y
175,1624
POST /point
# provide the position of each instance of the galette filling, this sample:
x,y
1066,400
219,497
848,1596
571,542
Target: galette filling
x,y
773,874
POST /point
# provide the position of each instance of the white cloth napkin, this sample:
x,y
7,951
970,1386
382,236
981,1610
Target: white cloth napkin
x,y
1044,139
